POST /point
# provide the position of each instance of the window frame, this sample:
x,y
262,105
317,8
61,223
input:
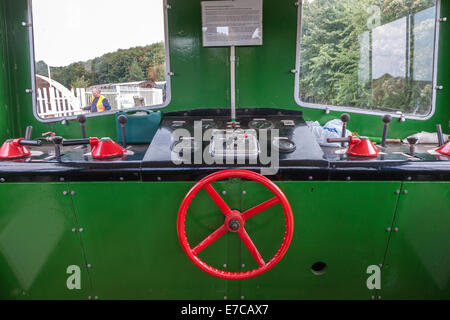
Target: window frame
x,y
398,114
112,112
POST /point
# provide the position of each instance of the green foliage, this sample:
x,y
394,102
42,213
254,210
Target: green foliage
x,y
336,55
134,64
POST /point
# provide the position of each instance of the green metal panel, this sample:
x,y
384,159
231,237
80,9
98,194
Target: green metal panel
x,y
417,264
342,224
131,241
37,243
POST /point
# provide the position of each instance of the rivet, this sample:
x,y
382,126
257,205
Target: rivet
x,y
65,193
244,192
61,179
388,229
396,229
121,179
405,192
397,191
89,265
379,297
225,265
242,297
243,266
2,180
90,298
348,178
224,192
225,298
310,178
80,230
96,297
74,230
159,178
72,193
409,178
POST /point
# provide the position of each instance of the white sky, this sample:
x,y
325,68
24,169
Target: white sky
x,y
78,30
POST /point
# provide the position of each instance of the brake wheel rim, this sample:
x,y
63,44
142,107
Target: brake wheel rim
x,y
192,253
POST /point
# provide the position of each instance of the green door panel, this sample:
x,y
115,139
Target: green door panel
x,y
130,235
341,224
417,264
37,243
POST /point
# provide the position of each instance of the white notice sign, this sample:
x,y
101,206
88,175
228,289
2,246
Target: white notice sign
x,y
232,23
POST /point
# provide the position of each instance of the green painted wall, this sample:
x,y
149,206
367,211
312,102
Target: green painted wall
x,y
201,80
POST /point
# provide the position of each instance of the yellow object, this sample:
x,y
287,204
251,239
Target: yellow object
x,y
100,106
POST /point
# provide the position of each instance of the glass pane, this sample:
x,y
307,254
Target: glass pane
x,y
98,55
368,54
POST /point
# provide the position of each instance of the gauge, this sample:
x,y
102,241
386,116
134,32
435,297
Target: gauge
x,y
283,145
260,124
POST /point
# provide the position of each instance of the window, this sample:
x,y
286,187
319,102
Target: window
x,y
84,49
368,56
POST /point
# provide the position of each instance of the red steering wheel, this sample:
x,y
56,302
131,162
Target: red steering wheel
x,y
234,222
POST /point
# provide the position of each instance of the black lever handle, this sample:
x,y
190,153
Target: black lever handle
x,y
29,133
75,142
386,119
123,120
440,135
82,120
35,143
345,118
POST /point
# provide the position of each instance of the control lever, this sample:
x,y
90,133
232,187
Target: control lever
x,y
440,136
56,140
123,120
75,142
387,120
31,143
29,133
412,145
345,118
82,120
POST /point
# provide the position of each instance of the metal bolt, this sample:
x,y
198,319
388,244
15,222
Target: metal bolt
x,y
348,178
397,191
65,193
2,180
379,297
90,298
121,179
243,266
159,178
310,178
29,91
96,297
72,193
225,265
244,192
74,230
396,229
409,178
61,179
224,192
388,229
242,297
443,19
80,230
225,298
372,297
89,265
405,192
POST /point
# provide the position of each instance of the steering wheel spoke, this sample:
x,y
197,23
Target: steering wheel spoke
x,y
251,247
217,199
210,239
260,208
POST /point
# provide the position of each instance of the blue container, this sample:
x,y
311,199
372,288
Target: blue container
x,y
140,127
